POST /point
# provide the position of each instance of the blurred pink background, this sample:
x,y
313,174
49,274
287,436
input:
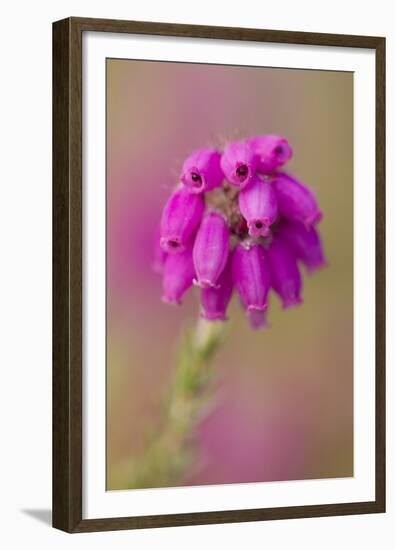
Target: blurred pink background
x,y
285,404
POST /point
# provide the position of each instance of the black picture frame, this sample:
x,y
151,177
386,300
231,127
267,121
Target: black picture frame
x,y
67,273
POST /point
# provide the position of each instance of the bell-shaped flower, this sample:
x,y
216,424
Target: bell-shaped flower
x,y
181,217
272,152
285,276
215,300
258,205
202,171
306,244
239,163
211,249
251,278
295,201
178,274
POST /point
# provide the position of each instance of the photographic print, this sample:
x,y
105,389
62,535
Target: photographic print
x,y
218,274
229,274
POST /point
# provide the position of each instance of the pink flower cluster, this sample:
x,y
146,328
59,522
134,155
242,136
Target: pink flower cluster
x,y
237,221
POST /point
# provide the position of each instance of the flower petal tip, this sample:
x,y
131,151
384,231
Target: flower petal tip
x,y
253,307
257,319
313,219
205,283
213,316
313,268
171,301
292,302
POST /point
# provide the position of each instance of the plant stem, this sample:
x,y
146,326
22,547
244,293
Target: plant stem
x,y
169,451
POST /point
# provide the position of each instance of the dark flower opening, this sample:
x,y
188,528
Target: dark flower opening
x,y
172,243
242,172
279,150
196,178
258,225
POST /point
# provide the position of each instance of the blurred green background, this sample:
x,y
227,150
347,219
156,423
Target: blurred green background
x,y
284,408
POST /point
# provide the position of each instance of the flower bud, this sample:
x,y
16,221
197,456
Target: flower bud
x,y
272,152
178,275
239,163
251,278
295,201
258,205
211,249
284,273
215,300
306,244
202,171
180,219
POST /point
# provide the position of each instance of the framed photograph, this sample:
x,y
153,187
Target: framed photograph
x,y
218,274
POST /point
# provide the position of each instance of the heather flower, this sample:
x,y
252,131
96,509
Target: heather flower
x,y
202,171
251,278
211,249
285,277
272,152
258,205
295,201
247,232
180,219
306,244
237,222
215,300
239,163
178,275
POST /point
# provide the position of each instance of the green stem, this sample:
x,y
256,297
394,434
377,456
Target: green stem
x,y
169,451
